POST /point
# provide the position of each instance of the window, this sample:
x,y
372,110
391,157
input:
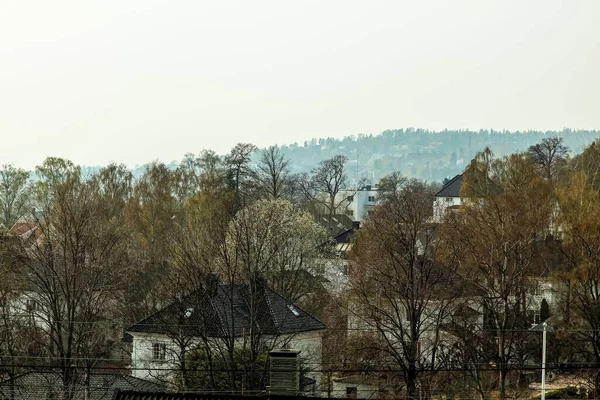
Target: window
x,y
159,351
351,392
372,199
31,305
534,316
350,199
449,199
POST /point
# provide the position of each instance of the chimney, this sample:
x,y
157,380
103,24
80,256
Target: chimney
x,y
259,283
211,284
285,372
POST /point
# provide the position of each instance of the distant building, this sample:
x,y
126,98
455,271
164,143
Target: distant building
x,y
361,201
447,198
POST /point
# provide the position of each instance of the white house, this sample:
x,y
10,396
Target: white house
x,y
219,314
447,198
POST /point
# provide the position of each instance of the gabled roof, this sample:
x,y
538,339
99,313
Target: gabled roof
x,y
39,385
451,188
343,241
226,313
346,236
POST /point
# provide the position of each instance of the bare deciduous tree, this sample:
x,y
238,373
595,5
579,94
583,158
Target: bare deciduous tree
x,y
324,185
398,292
240,173
72,272
549,156
493,239
273,174
580,222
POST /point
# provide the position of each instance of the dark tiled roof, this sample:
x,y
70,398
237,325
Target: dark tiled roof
x,y
346,236
227,314
343,241
290,318
451,188
338,222
185,314
39,385
133,395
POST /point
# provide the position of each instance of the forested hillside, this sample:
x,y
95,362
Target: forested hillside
x,y
416,153
421,153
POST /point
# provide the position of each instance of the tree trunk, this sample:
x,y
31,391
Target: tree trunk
x,y
501,367
502,382
411,384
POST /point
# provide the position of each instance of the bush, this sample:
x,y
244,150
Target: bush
x,y
564,393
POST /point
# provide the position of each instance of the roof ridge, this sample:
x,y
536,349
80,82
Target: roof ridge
x,y
271,311
222,323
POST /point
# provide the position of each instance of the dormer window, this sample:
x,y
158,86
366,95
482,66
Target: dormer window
x,y
294,310
188,312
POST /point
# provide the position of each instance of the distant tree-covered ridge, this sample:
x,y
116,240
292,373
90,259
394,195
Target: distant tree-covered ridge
x,y
417,153
421,153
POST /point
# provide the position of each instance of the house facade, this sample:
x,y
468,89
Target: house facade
x,y
218,318
447,198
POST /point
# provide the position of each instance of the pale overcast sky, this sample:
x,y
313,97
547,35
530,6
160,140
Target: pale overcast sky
x,y
133,81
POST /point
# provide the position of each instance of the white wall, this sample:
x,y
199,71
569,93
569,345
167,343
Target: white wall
x,y
365,388
310,346
142,363
441,204
144,366
360,204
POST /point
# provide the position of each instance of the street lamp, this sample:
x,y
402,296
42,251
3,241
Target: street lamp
x,y
544,328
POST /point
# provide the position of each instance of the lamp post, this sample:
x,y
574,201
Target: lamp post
x,y
544,326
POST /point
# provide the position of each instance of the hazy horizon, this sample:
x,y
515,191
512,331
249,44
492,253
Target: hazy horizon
x,y
144,80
